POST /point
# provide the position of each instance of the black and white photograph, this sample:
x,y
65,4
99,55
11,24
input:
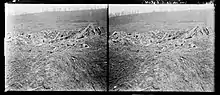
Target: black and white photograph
x,y
55,47
163,47
158,46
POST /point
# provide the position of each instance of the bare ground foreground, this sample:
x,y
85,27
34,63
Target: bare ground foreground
x,y
56,51
162,51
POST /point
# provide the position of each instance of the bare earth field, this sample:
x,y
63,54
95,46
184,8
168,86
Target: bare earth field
x,y
67,51
162,51
56,51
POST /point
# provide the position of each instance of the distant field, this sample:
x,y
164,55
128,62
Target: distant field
x,y
69,20
161,20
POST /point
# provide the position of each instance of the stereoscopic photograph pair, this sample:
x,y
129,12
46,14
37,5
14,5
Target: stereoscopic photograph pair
x,y
109,47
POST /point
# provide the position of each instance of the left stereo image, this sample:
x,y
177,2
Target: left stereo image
x,y
55,47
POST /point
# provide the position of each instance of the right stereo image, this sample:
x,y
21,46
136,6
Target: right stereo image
x,y
164,47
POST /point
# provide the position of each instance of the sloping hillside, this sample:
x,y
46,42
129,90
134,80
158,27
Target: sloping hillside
x,y
161,20
69,20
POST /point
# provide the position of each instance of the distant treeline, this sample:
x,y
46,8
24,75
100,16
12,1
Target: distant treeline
x,y
56,9
131,9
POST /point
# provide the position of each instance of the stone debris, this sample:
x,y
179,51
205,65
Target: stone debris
x,y
166,57
51,68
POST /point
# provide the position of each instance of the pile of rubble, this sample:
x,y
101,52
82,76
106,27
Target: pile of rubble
x,y
168,38
34,55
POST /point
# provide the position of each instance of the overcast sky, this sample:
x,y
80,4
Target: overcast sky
x,y
33,8
143,8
